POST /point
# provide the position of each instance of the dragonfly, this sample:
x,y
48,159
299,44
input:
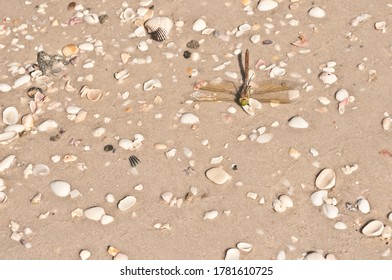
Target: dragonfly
x,y
247,95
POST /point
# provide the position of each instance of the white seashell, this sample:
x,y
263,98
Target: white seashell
x,y
94,213
84,254
380,25
41,170
326,179
278,206
245,247
330,211
140,32
93,94
316,12
5,87
126,144
60,188
7,137
216,160
264,138
47,125
121,75
323,100
142,46
340,226
255,104
106,219
6,162
99,131
232,254
10,115
298,122
328,78
159,28
189,118
37,198
120,257
167,196
255,39
386,123
72,109
277,71
314,256
21,81
18,128
318,197
210,215
91,18
341,94
373,228
267,5
28,121
171,153
3,198
286,201
109,198
86,47
128,14
363,205
217,175
81,116
199,25
151,84
126,203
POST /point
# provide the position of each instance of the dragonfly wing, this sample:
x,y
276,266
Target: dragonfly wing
x,y
276,91
223,86
213,96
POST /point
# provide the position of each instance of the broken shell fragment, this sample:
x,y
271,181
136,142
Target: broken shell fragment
x,y
373,228
245,247
3,198
159,28
326,179
10,115
218,175
330,211
6,162
151,84
126,203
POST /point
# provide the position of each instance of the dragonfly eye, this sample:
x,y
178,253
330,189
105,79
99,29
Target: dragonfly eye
x,y
244,101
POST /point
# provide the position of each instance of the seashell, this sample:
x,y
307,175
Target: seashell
x,y
99,131
386,123
363,205
255,38
126,144
210,215
142,46
277,71
72,109
109,198
22,81
140,32
189,118
314,256
316,12
94,213
81,116
330,211
91,18
216,160
326,179
60,188
318,197
199,25
18,128
341,94
286,201
267,5
128,14
28,121
159,28
121,75
232,254
373,228
93,94
380,25
167,196
278,206
245,247
70,49
41,170
47,125
7,137
31,92
3,198
10,115
340,226
6,162
264,138
120,257
217,175
5,87
86,47
126,203
298,122
328,78
106,219
84,254
151,84
36,198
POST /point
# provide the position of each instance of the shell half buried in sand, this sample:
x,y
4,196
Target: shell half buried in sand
x,y
159,28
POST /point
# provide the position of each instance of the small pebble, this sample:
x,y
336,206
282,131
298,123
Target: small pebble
x,y
317,12
298,122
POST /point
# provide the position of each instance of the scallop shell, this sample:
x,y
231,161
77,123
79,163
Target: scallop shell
x,y
373,228
159,28
326,179
10,115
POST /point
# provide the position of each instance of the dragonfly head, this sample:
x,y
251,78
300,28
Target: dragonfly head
x,y
244,101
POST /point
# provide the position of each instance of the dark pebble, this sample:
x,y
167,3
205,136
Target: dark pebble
x,y
267,42
187,54
108,148
193,44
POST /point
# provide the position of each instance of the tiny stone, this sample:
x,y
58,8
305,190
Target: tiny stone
x,y
193,44
108,148
187,54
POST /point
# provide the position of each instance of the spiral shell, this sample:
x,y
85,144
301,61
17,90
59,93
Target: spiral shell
x,y
159,28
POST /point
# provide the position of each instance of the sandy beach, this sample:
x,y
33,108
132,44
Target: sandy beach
x,y
109,152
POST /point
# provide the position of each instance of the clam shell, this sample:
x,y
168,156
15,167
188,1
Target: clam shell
x,y
199,25
318,197
7,137
189,118
126,203
5,87
28,121
6,162
267,5
330,211
245,247
60,188
210,215
326,179
218,175
91,18
232,254
127,14
151,84
298,122
106,219
363,205
316,12
47,125
10,115
94,213
373,228
93,94
41,170
22,81
15,127
159,28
